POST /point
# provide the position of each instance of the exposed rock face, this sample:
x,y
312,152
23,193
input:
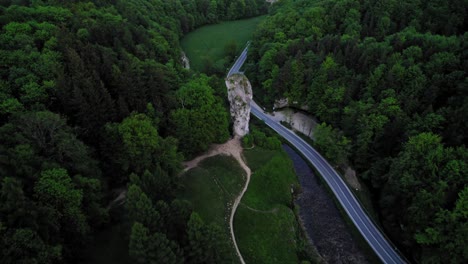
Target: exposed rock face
x,y
297,120
281,103
239,95
284,102
185,61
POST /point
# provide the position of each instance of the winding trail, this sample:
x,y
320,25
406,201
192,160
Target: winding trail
x,y
239,159
233,148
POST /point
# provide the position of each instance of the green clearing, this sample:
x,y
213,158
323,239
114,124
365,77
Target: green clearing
x,y
265,225
267,237
270,185
207,43
210,187
258,157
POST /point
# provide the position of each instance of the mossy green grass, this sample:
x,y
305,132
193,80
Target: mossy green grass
x,y
266,227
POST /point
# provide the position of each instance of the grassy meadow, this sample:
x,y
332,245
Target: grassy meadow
x,y
265,225
207,44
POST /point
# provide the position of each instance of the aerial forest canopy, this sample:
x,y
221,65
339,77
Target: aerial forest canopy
x,y
391,78
93,97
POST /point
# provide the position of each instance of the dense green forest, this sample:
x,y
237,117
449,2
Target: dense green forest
x,y
388,82
93,97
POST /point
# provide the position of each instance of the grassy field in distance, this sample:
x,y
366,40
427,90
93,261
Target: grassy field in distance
x,y
208,42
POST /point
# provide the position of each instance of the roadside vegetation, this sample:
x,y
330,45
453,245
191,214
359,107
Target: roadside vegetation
x,y
267,229
387,81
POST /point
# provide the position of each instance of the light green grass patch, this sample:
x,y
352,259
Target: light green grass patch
x,y
257,157
208,42
271,184
211,186
267,237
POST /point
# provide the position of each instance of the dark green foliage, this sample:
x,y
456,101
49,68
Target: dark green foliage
x,y
134,146
391,75
201,118
331,143
55,190
206,243
140,208
86,92
41,225
34,138
152,248
140,141
14,204
92,199
57,205
26,246
257,138
426,179
159,185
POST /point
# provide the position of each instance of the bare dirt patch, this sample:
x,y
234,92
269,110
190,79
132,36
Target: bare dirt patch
x,y
229,148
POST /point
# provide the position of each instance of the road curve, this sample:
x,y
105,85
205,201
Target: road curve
x,y
352,207
239,62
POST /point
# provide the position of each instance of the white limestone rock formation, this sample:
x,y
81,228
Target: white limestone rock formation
x,y
239,95
185,61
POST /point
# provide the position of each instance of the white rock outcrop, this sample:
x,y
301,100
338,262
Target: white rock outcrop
x,y
185,60
285,102
239,95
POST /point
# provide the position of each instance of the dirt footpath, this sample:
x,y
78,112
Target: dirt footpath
x,y
232,148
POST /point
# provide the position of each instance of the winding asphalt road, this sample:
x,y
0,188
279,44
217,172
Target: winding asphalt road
x,y
382,248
